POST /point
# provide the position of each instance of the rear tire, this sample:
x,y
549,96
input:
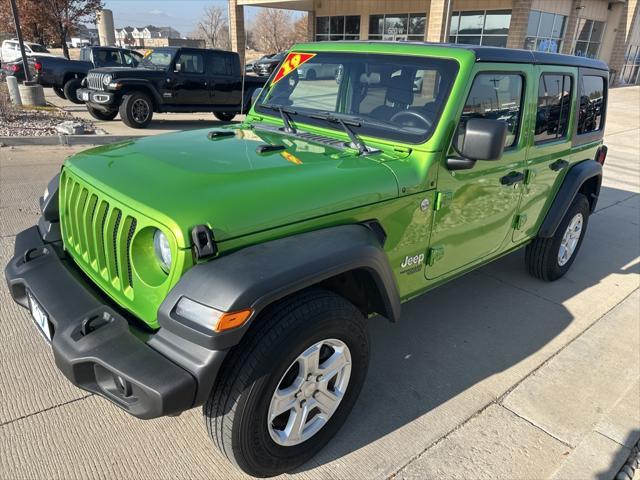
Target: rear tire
x,y
136,110
550,258
59,92
241,416
224,116
100,115
71,91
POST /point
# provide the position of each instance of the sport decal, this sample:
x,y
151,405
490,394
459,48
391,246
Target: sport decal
x,y
289,64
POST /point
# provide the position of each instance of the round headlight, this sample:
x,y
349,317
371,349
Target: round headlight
x,y
162,249
107,79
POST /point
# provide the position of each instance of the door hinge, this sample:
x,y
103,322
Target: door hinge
x,y
435,254
402,152
442,199
520,221
529,175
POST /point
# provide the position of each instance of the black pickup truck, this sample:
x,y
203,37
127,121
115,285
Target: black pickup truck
x,y
170,79
65,76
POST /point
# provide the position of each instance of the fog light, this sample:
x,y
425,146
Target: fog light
x,y
209,317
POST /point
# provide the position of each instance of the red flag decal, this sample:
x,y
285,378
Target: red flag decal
x,y
289,64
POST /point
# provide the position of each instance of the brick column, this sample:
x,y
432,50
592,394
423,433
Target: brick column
x,y
437,22
570,28
519,21
311,26
236,29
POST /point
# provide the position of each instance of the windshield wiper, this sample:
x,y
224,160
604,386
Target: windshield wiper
x,y
284,114
344,122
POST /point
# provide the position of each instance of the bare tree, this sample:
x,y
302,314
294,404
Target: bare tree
x,y
272,30
66,14
301,29
214,28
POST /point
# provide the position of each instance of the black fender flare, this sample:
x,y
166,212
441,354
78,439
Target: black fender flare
x,y
256,276
571,185
136,84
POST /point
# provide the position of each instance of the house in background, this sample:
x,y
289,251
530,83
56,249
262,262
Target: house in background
x,y
604,29
151,36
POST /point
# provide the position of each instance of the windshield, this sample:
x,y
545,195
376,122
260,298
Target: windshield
x,y
158,58
388,96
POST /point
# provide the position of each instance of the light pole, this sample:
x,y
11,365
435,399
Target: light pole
x,y
16,20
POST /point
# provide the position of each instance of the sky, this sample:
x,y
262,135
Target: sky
x,y
183,15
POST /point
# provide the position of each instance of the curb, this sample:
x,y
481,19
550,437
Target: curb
x,y
65,140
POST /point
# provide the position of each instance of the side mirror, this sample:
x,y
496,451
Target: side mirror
x,y
481,139
254,96
178,68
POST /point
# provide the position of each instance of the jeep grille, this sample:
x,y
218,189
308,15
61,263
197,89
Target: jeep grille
x,y
97,233
94,81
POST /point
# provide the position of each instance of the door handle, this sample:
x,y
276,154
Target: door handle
x,y
558,165
512,178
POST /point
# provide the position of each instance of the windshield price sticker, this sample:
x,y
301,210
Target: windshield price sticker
x,y
291,63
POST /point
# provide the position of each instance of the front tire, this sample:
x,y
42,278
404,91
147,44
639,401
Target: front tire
x,y
136,110
550,258
70,91
288,387
224,116
100,115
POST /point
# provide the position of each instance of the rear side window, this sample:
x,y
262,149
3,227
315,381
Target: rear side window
x,y
219,65
554,107
496,96
591,112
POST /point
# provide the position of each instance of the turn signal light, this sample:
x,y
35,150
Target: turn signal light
x,y
209,317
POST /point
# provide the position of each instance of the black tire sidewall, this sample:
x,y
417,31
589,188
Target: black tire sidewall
x,y
100,115
250,433
71,91
224,116
126,107
59,92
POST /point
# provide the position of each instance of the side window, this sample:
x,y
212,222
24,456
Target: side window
x,y
592,100
191,62
218,64
554,107
497,96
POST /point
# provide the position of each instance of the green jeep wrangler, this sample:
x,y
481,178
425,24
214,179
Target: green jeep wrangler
x,y
235,268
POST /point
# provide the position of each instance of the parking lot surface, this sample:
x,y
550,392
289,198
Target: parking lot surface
x,y
494,375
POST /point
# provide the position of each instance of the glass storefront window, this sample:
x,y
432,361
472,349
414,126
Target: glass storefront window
x,y
338,28
397,26
629,74
588,39
545,31
486,27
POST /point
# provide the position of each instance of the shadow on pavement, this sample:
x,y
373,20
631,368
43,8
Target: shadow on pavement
x,y
465,332
622,458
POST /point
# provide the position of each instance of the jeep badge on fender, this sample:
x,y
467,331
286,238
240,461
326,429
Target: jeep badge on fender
x,y
235,268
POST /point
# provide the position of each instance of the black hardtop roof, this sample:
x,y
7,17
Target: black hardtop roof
x,y
511,55
180,47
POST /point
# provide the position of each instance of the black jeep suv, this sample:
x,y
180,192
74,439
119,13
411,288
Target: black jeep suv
x,y
170,79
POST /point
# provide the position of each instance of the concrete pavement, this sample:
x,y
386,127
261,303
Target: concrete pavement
x,y
522,379
161,123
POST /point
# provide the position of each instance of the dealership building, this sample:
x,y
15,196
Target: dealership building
x,y
608,30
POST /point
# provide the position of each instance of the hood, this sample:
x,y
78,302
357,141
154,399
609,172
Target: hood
x,y
186,179
130,72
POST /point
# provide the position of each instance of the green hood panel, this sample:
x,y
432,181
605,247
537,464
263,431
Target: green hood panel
x,y
185,179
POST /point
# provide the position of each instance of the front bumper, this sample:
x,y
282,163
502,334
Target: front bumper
x,y
99,99
146,374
